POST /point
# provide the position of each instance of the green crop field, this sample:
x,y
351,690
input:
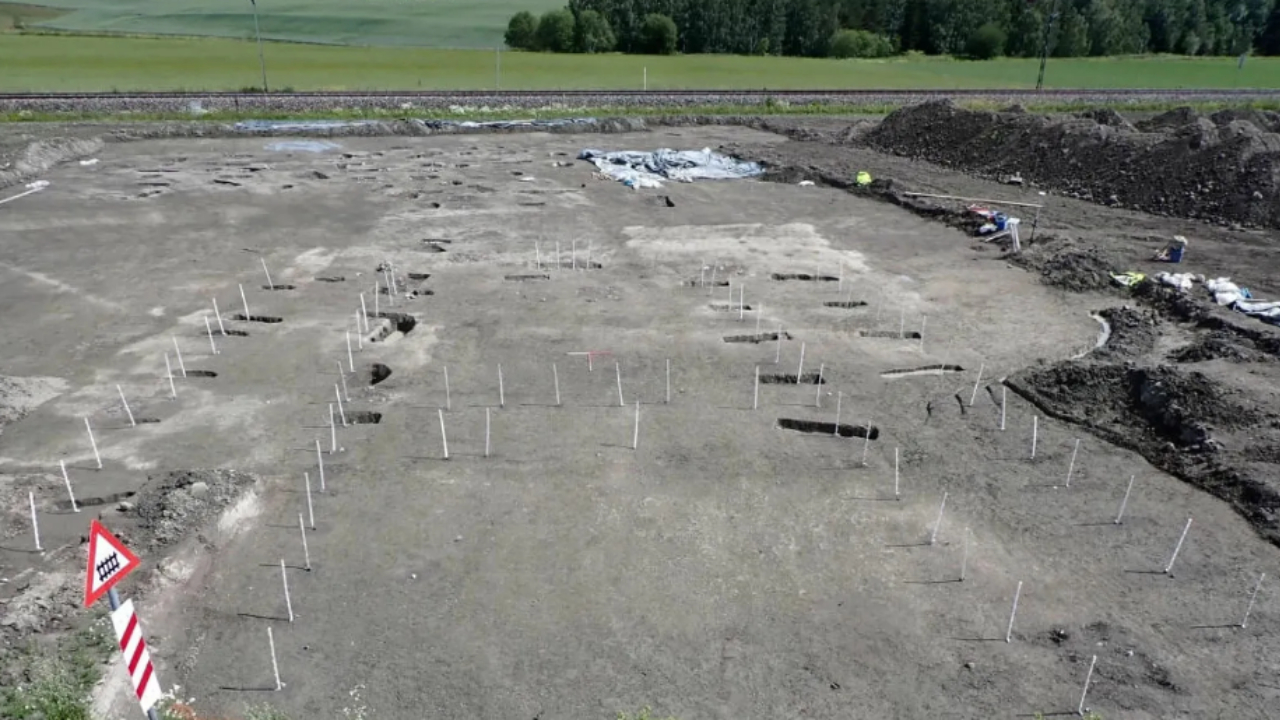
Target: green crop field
x,y
57,63
429,23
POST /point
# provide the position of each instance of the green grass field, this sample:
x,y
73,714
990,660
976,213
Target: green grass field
x,y
59,63
427,23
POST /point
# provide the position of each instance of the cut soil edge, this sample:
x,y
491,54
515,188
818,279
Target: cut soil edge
x,y
269,319
363,417
758,338
828,428
790,379
923,370
378,372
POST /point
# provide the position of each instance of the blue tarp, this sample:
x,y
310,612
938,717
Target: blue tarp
x,y
645,169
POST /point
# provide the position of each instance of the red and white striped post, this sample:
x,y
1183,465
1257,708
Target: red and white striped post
x,y
141,672
109,562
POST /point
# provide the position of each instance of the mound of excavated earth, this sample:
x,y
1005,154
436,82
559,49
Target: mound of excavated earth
x,y
1224,168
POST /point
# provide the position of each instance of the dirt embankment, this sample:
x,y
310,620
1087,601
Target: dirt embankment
x,y
1177,380
1224,168
1183,421
170,507
26,160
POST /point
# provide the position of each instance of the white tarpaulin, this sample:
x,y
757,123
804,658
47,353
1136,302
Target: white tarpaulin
x,y
648,169
1240,299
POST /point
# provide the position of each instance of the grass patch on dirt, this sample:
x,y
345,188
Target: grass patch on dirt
x,y
53,63
170,709
53,680
645,713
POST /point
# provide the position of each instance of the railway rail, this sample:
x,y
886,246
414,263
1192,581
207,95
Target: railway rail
x,y
197,102
682,92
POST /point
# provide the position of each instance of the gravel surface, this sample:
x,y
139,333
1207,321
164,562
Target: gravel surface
x,y
727,543
553,101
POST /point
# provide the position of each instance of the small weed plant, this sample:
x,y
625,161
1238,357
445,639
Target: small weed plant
x,y
645,713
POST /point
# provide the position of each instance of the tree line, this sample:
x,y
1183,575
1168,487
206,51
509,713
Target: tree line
x,y
875,28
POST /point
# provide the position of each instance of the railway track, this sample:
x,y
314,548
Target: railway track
x,y
657,93
178,103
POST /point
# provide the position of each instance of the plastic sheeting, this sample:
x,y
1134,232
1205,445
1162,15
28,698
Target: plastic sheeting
x,y
1267,312
506,124
647,169
289,126
1240,299
1181,281
32,187
1228,294
314,146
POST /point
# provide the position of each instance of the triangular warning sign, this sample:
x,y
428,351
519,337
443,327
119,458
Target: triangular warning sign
x,y
109,562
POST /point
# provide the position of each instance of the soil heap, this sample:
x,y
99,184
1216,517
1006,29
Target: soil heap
x,y
1224,168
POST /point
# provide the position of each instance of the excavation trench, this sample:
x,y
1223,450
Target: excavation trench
x,y
364,417
582,265
700,282
84,501
257,318
402,323
332,279
828,428
202,374
378,372
805,276
279,287
790,379
890,334
849,304
722,307
526,278
757,338
924,370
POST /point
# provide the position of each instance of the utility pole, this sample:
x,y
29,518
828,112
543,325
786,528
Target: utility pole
x,y
261,60
1044,43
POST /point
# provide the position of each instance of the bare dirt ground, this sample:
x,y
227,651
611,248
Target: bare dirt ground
x,y
729,567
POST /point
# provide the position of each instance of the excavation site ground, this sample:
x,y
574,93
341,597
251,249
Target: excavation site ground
x,y
599,538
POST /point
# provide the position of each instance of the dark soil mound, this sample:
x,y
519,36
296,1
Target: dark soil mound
x,y
1169,301
1133,333
1107,116
1178,164
1174,419
1146,405
1169,120
177,503
1084,269
1261,119
1217,346
1062,263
